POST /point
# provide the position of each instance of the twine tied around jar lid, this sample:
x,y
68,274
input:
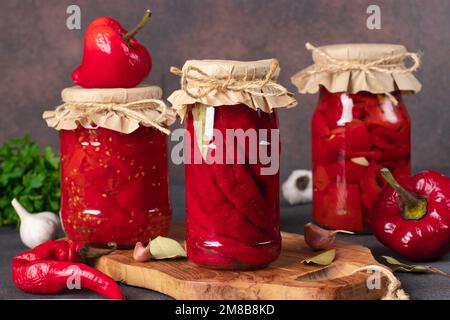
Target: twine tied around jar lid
x,y
386,70
107,108
252,85
220,82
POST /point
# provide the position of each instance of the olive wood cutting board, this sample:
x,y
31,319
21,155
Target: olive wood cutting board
x,y
286,278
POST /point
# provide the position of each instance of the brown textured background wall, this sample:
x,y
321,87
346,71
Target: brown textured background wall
x,y
38,53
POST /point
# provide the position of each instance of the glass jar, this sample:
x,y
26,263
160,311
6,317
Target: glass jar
x,y
353,137
231,152
114,186
233,209
114,169
359,127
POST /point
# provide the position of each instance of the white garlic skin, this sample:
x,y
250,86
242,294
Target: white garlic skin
x,y
35,229
292,193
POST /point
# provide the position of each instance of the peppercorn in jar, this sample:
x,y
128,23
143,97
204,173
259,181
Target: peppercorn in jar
x,y
360,126
231,152
114,169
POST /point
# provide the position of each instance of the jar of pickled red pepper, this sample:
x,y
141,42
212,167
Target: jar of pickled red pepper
x,y
231,154
360,126
114,168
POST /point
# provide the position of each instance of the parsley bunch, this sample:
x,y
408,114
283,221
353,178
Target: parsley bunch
x,y
30,174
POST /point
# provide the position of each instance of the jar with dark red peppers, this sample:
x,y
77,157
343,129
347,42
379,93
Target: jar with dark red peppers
x,y
360,126
114,167
232,153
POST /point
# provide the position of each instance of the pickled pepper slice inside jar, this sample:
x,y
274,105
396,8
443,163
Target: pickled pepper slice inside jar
x,y
236,180
340,208
386,139
354,137
229,209
321,178
331,107
104,201
371,185
212,208
319,125
347,171
234,250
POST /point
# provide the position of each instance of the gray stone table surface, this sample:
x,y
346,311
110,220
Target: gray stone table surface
x,y
419,286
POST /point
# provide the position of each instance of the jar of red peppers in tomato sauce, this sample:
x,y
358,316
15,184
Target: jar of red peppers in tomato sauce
x,y
360,126
231,154
114,169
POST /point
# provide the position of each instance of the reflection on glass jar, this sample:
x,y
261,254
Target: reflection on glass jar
x,y
114,186
353,137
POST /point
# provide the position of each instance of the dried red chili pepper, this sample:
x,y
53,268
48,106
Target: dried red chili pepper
x,y
48,267
412,216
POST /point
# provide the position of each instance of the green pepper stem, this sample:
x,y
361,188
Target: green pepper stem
x,y
414,207
138,28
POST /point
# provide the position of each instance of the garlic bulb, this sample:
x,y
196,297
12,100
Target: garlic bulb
x,y
37,228
297,188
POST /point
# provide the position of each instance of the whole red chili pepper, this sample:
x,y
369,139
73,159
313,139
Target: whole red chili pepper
x,y
112,57
412,217
51,266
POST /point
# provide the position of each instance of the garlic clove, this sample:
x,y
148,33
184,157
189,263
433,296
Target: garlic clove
x,y
141,253
362,161
297,189
37,228
318,238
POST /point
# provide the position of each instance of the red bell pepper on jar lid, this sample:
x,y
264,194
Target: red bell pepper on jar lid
x,y
112,57
412,216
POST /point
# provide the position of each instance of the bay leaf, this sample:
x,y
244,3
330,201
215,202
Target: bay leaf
x,y
323,259
395,262
411,268
166,248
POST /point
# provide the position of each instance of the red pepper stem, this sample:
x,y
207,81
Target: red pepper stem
x,y
414,207
138,28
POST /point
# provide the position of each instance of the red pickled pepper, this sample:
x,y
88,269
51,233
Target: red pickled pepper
x,y
241,218
347,159
48,267
112,57
106,178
